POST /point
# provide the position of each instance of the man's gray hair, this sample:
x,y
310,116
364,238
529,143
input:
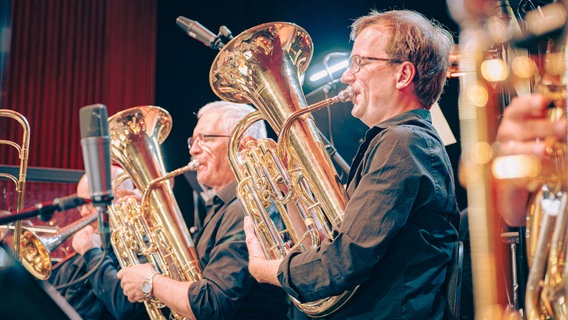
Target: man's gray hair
x,y
233,113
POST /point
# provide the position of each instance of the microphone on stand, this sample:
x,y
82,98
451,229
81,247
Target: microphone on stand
x,y
95,143
198,32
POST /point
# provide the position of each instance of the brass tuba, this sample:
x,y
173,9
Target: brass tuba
x,y
262,66
154,227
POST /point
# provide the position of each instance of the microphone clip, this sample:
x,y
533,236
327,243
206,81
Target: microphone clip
x,y
195,30
102,200
224,35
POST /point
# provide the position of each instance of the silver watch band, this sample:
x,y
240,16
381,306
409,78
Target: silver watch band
x,y
150,279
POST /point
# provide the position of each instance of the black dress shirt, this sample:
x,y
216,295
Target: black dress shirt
x,y
396,239
100,296
227,290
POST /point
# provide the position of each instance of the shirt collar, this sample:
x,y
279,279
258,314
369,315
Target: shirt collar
x,y
416,114
228,192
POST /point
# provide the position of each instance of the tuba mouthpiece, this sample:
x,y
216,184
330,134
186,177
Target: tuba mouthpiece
x,y
193,164
345,94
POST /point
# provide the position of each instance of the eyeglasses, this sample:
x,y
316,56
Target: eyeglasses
x,y
354,63
200,139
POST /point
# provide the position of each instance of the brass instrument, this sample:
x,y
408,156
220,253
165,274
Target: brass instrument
x,y
20,181
480,103
547,215
34,229
262,66
154,228
32,250
36,250
485,88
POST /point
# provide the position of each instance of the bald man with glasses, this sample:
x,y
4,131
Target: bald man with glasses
x,y
399,232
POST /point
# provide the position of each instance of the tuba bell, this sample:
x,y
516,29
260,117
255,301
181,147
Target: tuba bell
x,y
262,66
153,227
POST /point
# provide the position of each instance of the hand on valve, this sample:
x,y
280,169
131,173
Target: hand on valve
x,y
131,279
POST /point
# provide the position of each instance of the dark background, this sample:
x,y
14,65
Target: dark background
x,y
182,74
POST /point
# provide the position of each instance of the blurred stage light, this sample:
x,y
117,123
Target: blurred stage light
x,y
332,67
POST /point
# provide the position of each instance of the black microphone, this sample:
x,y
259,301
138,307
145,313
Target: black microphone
x,y
45,210
95,143
198,32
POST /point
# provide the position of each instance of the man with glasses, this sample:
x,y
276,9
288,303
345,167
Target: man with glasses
x,y
399,232
227,290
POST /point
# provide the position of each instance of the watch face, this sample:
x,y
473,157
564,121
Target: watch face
x,y
146,287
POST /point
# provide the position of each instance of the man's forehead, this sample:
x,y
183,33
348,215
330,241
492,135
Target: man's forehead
x,y
370,40
208,123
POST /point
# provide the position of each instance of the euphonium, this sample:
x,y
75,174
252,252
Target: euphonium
x,y
155,227
262,66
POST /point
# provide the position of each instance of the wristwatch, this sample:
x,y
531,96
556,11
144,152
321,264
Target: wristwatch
x,y
147,284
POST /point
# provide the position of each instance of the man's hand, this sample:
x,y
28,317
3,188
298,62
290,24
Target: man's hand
x,y
260,268
525,126
131,279
525,129
86,239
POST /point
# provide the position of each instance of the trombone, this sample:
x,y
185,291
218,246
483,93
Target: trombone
x,y
37,250
19,181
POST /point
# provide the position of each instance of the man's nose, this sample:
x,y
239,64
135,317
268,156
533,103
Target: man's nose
x,y
194,149
347,77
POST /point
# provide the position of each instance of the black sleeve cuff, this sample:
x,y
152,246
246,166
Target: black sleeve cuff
x,y
93,254
284,276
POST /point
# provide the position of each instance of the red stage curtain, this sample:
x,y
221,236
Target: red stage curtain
x,y
66,54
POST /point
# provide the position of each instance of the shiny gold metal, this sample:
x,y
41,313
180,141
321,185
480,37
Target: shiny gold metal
x,y
36,250
487,86
19,181
484,73
547,215
295,177
154,227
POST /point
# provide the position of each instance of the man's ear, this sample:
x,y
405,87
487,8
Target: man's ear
x,y
406,75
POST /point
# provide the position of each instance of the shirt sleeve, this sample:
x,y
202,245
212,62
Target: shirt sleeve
x,y
106,286
378,208
226,280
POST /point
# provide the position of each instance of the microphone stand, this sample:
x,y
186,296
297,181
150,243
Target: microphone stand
x,y
44,213
336,157
44,210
